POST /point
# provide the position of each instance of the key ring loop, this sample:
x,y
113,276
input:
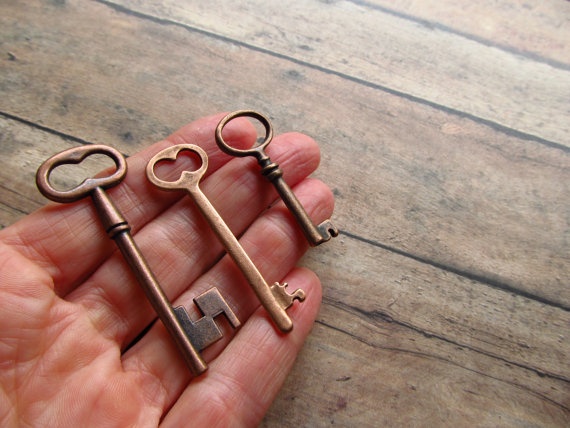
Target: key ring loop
x,y
258,149
74,156
187,178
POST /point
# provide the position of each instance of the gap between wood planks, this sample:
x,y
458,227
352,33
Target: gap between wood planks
x,y
456,112
387,318
474,277
445,28
436,357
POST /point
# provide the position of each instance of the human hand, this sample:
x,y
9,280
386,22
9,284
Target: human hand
x,y
75,347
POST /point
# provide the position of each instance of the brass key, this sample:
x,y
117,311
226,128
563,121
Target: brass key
x,y
190,336
275,298
316,235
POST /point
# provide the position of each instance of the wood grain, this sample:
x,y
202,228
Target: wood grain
x,y
22,149
538,30
391,52
445,297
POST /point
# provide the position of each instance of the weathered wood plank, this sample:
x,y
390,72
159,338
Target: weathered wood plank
x,y
356,384
540,30
389,51
23,148
471,315
375,386
444,188
376,357
452,192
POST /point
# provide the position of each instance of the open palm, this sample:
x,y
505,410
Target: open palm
x,y
78,341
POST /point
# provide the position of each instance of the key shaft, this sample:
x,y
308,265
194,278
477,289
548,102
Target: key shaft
x,y
119,230
242,260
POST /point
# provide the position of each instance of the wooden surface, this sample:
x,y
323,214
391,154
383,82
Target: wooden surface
x,y
445,136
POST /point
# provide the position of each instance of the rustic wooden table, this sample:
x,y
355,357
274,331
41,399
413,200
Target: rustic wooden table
x,y
445,136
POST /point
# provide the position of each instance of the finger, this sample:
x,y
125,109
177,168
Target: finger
x,y
275,244
68,240
243,381
179,246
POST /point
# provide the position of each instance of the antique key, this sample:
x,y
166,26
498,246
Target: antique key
x,y
190,336
275,298
316,235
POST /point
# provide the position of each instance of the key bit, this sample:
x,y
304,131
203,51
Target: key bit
x,y
316,235
205,331
284,299
176,321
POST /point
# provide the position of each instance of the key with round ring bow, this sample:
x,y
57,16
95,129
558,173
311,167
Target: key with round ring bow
x,y
315,234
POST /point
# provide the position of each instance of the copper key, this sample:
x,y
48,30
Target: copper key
x,y
275,298
316,235
189,336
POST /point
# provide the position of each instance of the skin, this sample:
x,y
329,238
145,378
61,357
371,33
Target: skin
x,y
78,346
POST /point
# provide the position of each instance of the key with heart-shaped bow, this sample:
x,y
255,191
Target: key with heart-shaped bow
x,y
275,298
